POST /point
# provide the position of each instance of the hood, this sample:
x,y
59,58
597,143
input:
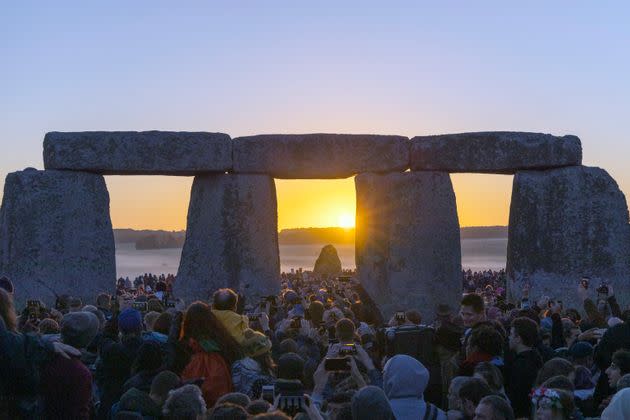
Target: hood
x,y
404,377
234,323
619,407
138,401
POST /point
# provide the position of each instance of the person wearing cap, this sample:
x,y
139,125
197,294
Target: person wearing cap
x,y
257,369
66,384
118,349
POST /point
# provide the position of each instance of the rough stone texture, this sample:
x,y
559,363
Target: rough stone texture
x,y
328,262
138,152
56,235
320,155
408,252
494,152
231,237
564,224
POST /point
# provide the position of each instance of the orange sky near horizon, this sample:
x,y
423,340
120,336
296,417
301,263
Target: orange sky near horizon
x,y
150,202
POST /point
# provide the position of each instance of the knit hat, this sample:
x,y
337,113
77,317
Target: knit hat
x,y
129,320
581,349
78,329
255,343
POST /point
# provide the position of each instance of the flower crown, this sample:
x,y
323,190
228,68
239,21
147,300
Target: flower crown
x,y
549,396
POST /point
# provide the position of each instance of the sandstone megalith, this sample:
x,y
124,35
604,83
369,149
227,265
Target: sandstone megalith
x,y
56,235
231,237
320,155
407,241
138,152
494,152
564,224
328,262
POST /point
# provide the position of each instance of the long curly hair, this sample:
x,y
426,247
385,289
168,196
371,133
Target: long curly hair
x,y
200,323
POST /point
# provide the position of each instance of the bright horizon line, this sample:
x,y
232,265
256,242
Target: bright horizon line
x,y
289,228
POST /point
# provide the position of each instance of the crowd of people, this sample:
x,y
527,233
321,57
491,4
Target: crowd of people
x,y
319,349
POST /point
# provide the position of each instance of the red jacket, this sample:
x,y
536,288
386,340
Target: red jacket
x,y
211,366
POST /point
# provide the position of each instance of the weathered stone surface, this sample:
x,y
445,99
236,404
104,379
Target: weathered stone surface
x,y
494,152
320,155
231,237
56,235
408,252
138,152
564,224
328,262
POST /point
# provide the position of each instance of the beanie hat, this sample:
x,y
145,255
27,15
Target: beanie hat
x,y
129,320
581,349
255,343
78,329
290,366
6,284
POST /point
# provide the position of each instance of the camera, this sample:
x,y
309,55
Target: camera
x,y
296,322
347,350
253,317
602,289
400,316
291,394
268,393
139,306
337,364
584,282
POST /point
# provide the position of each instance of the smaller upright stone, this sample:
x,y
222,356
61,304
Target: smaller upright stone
x,y
56,235
502,152
320,155
138,152
328,262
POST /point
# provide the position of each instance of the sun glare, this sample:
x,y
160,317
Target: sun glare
x,y
346,220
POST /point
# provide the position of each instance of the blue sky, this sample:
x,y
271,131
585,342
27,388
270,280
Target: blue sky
x,y
407,68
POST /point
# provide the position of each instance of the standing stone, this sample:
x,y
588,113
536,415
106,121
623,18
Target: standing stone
x,y
231,237
565,224
494,152
320,155
56,235
138,152
328,262
408,252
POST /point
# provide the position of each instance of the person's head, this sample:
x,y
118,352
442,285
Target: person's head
x,y
493,407
414,317
227,411
162,384
371,402
454,402
619,366
291,367
162,324
149,357
272,415
99,314
485,339
78,329
130,322
237,398
185,403
7,310
555,367
154,305
472,309
288,345
258,407
6,285
48,326
470,393
559,382
552,404
581,354
224,300
149,319
345,330
75,304
201,324
491,374
404,377
523,334
103,301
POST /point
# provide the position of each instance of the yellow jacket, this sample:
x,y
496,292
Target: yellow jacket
x,y
234,323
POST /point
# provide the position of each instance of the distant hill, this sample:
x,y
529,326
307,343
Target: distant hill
x,y
158,239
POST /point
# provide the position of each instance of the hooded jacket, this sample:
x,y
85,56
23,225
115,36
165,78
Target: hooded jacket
x,y
370,402
234,323
404,382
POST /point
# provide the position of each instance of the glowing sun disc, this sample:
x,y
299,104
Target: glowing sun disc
x,y
346,220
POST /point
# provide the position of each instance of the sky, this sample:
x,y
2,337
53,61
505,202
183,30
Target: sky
x,y
242,68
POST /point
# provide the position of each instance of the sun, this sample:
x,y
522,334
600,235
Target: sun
x,y
345,220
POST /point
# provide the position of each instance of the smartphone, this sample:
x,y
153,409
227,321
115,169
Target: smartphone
x,y
268,393
337,364
140,306
253,317
584,282
348,350
400,316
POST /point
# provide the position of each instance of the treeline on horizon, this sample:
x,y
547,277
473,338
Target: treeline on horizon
x,y
157,239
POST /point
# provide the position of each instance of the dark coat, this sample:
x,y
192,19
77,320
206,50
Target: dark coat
x,y
520,374
614,338
66,388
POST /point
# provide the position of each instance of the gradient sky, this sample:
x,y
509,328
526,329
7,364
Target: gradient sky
x,y
408,68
